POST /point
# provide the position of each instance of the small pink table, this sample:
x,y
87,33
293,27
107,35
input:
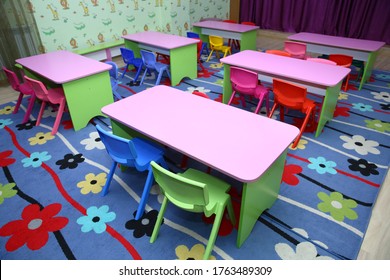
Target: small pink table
x,y
86,82
318,78
245,33
359,49
247,147
181,50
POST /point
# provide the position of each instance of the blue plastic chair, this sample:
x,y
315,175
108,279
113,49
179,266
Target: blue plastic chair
x,y
150,61
136,153
114,79
204,45
129,59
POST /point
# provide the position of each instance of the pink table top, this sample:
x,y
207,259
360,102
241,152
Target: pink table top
x,y
343,42
63,66
297,69
238,143
227,26
161,40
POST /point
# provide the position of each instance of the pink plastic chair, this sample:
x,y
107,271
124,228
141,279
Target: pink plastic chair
x,y
53,96
22,88
296,49
246,82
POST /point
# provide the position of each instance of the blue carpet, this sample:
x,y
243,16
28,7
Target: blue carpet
x,y
51,207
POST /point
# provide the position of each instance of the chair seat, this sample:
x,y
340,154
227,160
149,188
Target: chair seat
x,y
56,94
161,66
260,91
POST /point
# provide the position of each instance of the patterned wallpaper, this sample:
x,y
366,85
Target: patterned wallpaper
x,y
75,24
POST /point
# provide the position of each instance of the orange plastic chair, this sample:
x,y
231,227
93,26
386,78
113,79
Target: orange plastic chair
x,y
245,82
344,61
216,44
292,96
22,88
278,52
296,49
53,96
232,42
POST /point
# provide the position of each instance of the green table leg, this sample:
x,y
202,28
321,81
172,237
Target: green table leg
x,y
248,40
86,97
368,68
259,196
328,107
227,86
183,63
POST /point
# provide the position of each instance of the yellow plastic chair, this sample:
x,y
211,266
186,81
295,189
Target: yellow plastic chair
x,y
216,44
194,191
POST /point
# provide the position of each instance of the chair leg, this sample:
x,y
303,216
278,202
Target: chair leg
x,y
109,178
145,194
159,220
273,110
346,83
143,76
214,232
304,124
231,97
18,103
138,73
59,117
230,210
43,105
29,108
125,70
208,58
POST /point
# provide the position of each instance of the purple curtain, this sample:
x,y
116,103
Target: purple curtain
x,y
364,19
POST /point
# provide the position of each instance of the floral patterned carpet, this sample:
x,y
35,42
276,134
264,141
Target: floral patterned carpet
x,y
51,207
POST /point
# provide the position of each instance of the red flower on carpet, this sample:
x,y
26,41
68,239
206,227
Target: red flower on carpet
x,y
67,124
34,227
290,174
341,111
204,74
4,160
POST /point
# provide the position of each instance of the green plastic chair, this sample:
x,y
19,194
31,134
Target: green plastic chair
x,y
194,191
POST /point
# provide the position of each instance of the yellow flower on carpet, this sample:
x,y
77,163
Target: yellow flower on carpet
x,y
40,138
7,110
343,96
196,252
93,183
301,145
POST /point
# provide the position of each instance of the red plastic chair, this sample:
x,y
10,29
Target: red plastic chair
x,y
248,23
53,96
296,49
232,42
22,88
278,52
344,61
292,96
245,82
321,60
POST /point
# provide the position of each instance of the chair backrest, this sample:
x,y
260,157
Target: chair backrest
x,y
229,21
127,55
192,35
13,80
114,69
39,88
243,80
248,23
184,193
215,41
289,94
149,59
341,59
321,60
296,49
120,149
278,52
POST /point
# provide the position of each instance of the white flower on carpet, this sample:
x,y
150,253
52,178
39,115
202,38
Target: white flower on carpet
x,y
200,89
303,251
49,112
93,142
155,190
381,96
360,144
